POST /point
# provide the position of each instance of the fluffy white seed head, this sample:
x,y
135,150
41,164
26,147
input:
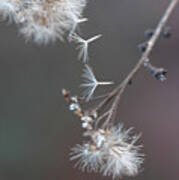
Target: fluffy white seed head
x,y
122,157
8,9
43,20
112,152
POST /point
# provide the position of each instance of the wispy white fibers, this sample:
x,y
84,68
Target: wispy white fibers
x,y
8,9
43,20
122,157
83,45
89,158
90,82
112,152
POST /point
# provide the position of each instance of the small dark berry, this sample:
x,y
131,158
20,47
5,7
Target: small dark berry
x,y
160,74
142,47
149,33
166,32
130,82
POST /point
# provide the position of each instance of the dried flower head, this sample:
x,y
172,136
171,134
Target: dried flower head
x,y
43,20
123,157
112,152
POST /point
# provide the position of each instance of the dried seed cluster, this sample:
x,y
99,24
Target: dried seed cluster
x,y
109,150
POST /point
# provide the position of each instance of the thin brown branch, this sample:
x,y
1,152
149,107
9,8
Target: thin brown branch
x,y
100,118
118,91
144,56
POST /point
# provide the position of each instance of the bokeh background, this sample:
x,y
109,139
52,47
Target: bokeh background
x,y
36,128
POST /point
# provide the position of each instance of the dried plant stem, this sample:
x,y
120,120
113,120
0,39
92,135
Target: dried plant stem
x,y
110,149
101,117
118,91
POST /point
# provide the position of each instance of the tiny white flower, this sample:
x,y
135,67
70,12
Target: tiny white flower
x,y
83,45
90,82
86,119
86,122
74,106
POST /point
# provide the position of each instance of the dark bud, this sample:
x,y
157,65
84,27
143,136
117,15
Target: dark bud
x,y
166,32
160,74
149,33
142,47
130,82
66,95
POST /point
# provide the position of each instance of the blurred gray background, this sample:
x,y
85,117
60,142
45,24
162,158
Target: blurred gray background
x,y
36,128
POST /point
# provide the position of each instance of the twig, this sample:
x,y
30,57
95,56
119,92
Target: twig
x,y
121,88
109,143
101,117
118,91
